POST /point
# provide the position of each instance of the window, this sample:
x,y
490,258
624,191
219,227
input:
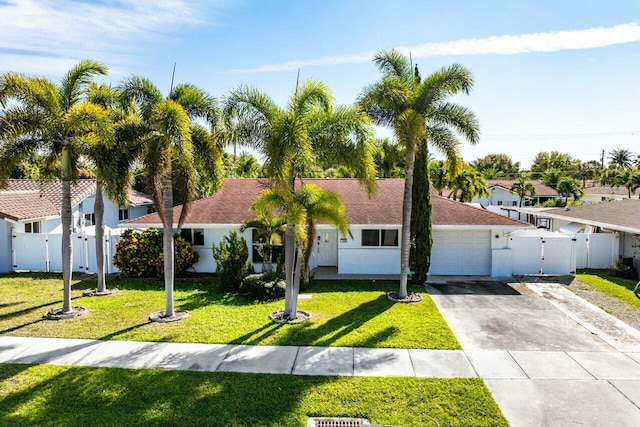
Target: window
x,y
89,219
32,227
389,237
195,236
123,214
276,250
379,237
499,202
370,237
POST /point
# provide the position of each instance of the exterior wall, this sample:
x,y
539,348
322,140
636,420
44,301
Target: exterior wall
x,y
5,246
630,247
111,211
353,258
498,196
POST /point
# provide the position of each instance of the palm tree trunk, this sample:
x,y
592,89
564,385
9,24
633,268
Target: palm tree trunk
x,y
98,211
406,223
296,283
66,215
289,258
167,244
311,239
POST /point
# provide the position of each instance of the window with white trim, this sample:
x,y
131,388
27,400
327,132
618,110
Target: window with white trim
x,y
123,214
195,235
90,219
32,227
374,237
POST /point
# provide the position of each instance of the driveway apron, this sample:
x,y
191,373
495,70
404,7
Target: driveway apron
x,y
545,365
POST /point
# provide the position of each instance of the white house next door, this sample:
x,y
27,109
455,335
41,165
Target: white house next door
x,y
327,248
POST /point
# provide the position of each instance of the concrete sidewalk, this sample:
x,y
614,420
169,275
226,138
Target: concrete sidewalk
x,y
344,361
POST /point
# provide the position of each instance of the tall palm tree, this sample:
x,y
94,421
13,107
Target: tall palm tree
x,y
113,161
621,157
174,143
552,177
269,229
297,139
418,112
38,115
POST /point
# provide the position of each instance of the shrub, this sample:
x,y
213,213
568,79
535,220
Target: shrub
x,y
232,259
139,254
263,286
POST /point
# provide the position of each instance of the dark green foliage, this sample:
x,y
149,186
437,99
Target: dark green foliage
x,y
280,265
139,254
232,259
421,238
263,287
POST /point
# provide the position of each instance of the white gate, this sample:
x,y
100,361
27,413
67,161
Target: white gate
x,y
596,250
43,252
542,252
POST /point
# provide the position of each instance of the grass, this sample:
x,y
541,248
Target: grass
x,y
71,396
621,289
345,313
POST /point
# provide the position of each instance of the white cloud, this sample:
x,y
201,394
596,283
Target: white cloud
x,y
37,34
496,45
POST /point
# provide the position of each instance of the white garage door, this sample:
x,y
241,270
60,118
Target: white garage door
x,y
461,253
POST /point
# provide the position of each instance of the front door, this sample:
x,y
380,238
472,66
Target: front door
x,y
327,248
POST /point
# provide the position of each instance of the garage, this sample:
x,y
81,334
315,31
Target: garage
x,y
464,252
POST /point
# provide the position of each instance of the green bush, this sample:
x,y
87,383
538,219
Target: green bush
x,y
232,259
139,254
263,286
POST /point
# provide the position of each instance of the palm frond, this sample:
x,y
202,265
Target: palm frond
x,y
310,94
393,62
460,118
76,81
142,92
197,103
36,93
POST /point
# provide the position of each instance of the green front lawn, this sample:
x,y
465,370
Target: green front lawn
x,y
73,396
345,313
621,289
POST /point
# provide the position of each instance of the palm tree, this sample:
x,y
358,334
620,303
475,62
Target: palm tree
x,y
522,188
113,161
173,145
468,184
418,112
299,208
552,177
569,187
295,140
492,173
629,179
269,230
389,158
38,115
438,176
621,157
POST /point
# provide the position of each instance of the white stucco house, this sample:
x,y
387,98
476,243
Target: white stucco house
x,y
31,225
601,193
467,240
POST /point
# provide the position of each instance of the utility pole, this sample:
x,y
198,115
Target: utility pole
x,y
602,160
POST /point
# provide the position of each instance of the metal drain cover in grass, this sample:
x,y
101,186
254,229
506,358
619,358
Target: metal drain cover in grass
x,y
337,422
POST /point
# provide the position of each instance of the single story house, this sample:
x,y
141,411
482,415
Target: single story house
x,y
611,227
30,217
602,193
467,240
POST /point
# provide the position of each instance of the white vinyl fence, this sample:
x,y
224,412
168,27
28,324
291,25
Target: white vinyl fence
x,y
43,252
597,250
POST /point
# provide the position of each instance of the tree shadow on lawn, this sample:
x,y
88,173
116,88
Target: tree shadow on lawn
x,y
324,334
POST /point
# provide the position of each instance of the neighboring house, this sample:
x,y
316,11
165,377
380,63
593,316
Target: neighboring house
x,y
501,196
601,193
30,218
467,240
611,229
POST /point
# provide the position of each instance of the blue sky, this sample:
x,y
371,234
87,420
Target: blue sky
x,y
550,75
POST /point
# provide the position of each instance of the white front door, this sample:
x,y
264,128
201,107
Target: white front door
x,y
327,248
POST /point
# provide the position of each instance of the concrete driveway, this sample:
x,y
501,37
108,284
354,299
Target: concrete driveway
x,y
548,357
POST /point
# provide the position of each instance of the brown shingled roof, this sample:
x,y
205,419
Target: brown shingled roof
x,y
22,199
606,190
230,205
